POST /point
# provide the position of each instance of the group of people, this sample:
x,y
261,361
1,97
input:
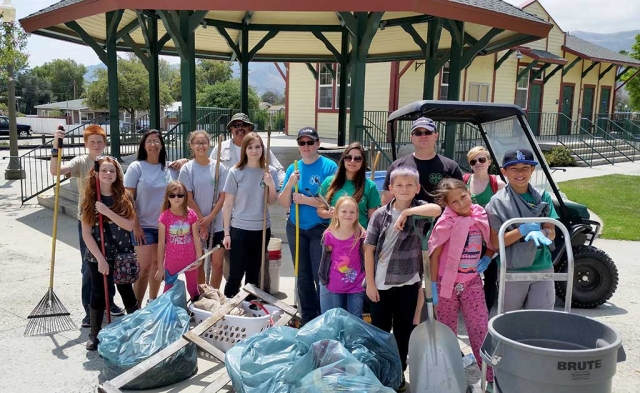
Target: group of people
x,y
353,247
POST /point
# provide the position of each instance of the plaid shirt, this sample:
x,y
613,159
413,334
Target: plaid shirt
x,y
406,258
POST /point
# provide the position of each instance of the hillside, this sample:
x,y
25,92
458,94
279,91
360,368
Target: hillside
x,y
616,42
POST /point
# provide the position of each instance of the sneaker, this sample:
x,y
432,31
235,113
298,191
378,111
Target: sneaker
x,y
86,321
115,310
403,386
489,388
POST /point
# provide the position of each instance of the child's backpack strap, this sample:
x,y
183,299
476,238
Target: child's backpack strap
x,y
465,178
493,182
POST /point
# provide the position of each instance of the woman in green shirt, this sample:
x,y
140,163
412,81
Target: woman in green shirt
x,y
351,180
482,186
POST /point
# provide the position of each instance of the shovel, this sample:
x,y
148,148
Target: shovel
x,y
435,364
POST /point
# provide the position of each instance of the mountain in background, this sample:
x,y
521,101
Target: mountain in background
x,y
616,42
262,76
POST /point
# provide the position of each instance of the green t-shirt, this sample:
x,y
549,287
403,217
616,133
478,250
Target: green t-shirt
x,y
370,198
542,259
484,197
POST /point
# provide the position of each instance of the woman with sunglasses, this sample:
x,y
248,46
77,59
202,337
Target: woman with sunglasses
x,y
482,186
146,180
350,180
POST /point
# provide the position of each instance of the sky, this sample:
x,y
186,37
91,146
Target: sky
x,y
596,16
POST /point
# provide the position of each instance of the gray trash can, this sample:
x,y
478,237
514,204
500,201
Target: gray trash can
x,y
534,351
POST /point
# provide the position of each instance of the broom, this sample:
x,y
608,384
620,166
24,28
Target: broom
x,y
208,264
264,262
50,315
104,276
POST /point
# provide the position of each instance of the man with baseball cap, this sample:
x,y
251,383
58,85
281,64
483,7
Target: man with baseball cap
x,y
431,166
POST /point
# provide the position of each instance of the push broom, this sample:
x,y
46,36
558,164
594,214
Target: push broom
x,y
50,315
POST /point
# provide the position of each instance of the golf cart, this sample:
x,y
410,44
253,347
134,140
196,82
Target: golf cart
x,y
503,127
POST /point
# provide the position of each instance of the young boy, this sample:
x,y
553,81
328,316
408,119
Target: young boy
x,y
393,258
526,244
95,140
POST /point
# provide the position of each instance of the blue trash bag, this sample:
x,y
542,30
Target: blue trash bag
x,y
334,370
136,337
264,362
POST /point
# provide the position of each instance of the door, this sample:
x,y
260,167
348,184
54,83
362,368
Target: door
x,y
586,117
535,108
566,110
603,110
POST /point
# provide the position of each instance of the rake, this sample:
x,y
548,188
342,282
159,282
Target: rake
x,y
50,315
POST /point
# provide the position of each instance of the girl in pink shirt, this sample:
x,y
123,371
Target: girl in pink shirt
x,y
456,254
177,227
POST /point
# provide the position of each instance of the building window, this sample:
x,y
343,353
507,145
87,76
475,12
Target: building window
x,y
339,70
478,92
444,82
325,87
522,89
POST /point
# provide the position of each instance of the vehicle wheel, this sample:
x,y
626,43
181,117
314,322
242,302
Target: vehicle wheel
x,y
595,277
23,134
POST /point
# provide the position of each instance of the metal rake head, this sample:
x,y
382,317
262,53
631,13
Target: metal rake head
x,y
50,316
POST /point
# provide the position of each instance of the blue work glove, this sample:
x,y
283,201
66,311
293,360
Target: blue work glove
x,y
483,263
168,278
434,293
538,237
528,227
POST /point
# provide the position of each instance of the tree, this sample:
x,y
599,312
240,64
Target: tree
x,y
133,88
633,86
210,72
13,42
32,90
171,76
65,76
226,95
273,98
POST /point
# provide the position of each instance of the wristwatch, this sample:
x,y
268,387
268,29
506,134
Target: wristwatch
x,y
54,152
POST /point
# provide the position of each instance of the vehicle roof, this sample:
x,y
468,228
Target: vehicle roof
x,y
458,111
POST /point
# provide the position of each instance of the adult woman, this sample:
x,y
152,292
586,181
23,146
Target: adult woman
x,y
482,186
206,199
311,172
350,180
146,179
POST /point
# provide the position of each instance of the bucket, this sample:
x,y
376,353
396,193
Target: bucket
x,y
378,178
275,263
534,351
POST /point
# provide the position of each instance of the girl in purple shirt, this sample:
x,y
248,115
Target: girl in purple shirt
x,y
342,266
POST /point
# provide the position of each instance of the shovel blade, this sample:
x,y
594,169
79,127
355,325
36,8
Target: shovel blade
x,y
435,364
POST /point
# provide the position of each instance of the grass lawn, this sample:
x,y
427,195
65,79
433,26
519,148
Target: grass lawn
x,y
614,198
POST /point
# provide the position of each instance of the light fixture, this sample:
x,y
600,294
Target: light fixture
x,y
7,12
518,54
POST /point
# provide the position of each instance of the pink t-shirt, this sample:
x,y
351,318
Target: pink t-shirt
x,y
346,273
179,246
471,254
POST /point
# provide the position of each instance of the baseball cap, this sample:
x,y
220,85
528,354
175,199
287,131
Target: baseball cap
x,y
240,117
424,122
521,156
308,132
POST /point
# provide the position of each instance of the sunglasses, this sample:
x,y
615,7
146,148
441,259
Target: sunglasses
x,y
239,125
421,133
349,157
308,143
172,196
481,160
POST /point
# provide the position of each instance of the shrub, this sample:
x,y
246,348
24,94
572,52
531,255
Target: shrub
x,y
559,156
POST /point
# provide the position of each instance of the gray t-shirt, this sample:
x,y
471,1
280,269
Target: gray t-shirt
x,y
150,182
200,180
248,188
79,167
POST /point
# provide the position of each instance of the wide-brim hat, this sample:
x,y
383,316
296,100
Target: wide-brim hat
x,y
240,117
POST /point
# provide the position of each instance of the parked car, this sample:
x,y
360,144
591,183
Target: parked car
x,y
24,130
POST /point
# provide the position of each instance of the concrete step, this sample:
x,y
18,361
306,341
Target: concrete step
x,y
66,206
597,160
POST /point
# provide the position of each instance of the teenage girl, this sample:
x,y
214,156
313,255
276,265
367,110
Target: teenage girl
x,y
342,266
178,241
455,249
118,221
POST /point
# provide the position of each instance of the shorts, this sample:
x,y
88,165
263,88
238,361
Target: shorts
x,y
215,238
150,236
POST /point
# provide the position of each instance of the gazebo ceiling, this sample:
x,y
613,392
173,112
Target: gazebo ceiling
x,y
296,21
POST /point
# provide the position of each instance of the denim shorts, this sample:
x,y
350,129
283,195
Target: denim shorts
x,y
150,236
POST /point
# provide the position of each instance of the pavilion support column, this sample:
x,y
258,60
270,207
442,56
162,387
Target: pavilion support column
x,y
113,20
344,85
188,77
154,76
431,64
244,72
456,29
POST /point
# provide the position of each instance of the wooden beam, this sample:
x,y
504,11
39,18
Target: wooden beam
x,y
112,25
262,43
246,20
284,77
313,71
407,20
196,18
592,66
454,31
434,33
329,69
163,40
552,73
255,291
538,72
328,44
526,70
204,345
348,21
169,21
625,82
566,69
603,73
624,71
502,59
234,48
87,39
373,22
443,59
480,44
415,36
145,31
137,50
218,384
131,26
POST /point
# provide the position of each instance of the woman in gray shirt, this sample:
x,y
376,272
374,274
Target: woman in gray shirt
x,y
243,212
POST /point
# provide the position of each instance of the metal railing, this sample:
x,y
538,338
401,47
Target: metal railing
x,y
215,120
618,129
611,140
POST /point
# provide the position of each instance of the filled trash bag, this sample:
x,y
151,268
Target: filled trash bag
x,y
134,338
276,360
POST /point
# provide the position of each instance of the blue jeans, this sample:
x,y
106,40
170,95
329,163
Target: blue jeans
x,y
308,266
351,302
86,275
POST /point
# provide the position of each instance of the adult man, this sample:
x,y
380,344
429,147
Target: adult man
x,y
431,166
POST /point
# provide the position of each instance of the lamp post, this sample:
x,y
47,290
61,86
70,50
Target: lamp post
x,y
13,171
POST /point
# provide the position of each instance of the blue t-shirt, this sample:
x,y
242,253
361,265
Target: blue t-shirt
x,y
311,177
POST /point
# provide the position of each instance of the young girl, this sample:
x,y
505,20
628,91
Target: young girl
x,y
177,231
455,249
342,266
206,198
243,213
118,221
